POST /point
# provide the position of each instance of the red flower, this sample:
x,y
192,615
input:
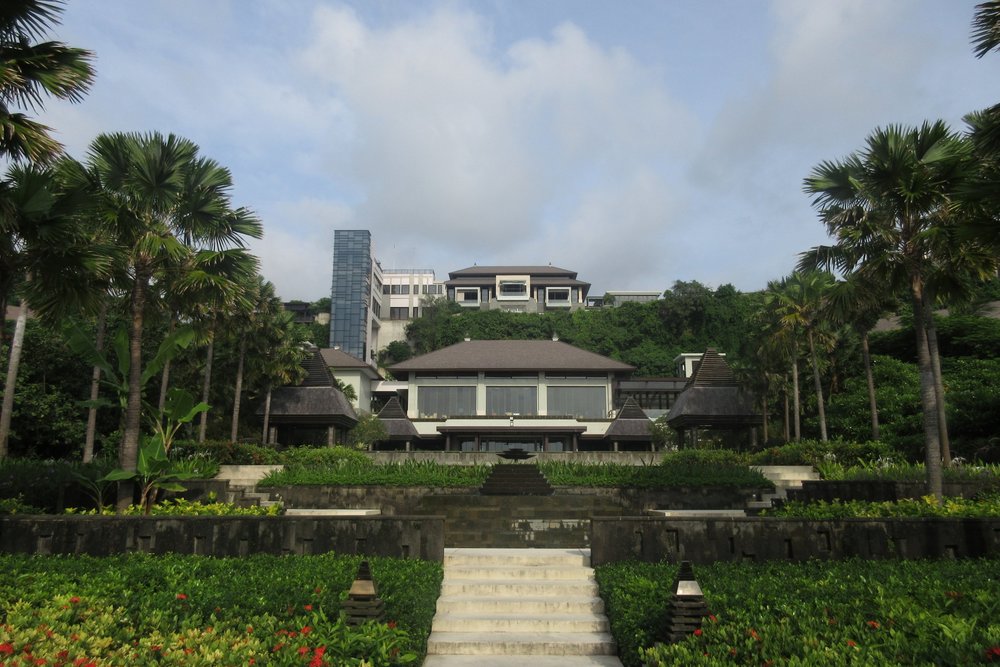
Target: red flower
x,y
181,596
993,653
391,625
697,632
308,607
7,648
874,625
277,647
74,600
303,650
712,618
851,643
306,630
753,633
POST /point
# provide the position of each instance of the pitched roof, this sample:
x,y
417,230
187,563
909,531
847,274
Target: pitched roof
x,y
511,355
323,405
317,374
713,371
501,270
713,398
630,424
337,358
397,424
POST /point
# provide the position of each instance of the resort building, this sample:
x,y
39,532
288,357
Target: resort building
x,y
519,289
404,292
355,294
494,395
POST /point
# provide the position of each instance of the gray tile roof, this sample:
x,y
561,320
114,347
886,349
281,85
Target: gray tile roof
x,y
511,271
322,405
630,424
337,358
397,424
713,398
511,355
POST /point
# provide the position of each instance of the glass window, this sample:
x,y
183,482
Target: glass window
x,y
557,295
444,402
590,402
512,400
467,296
513,289
399,313
386,289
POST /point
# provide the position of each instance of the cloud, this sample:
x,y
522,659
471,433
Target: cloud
x,y
479,151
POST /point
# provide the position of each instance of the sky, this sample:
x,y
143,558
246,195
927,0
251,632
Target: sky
x,y
636,142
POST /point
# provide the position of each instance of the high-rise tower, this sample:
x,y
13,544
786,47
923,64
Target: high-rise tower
x,y
355,295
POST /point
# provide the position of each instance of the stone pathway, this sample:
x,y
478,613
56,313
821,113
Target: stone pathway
x,y
506,607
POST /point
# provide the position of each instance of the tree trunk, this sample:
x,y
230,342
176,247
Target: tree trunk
x,y
128,453
234,430
932,346
16,344
870,377
819,388
764,406
928,401
95,386
787,420
165,374
207,383
797,408
267,414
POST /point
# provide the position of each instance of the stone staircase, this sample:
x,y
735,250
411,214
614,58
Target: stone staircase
x,y
512,479
506,607
242,484
784,478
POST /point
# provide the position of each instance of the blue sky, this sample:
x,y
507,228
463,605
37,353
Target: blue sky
x,y
637,142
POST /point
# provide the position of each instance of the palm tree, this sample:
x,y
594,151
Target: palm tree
x,y
889,208
159,199
858,304
30,72
265,305
53,252
283,364
797,304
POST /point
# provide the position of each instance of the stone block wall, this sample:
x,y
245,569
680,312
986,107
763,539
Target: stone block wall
x,y
700,540
400,536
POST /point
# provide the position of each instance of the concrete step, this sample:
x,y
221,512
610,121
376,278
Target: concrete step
x,y
527,605
524,603
519,661
521,643
457,573
511,557
506,587
519,622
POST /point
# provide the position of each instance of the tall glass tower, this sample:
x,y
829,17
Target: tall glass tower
x,y
354,305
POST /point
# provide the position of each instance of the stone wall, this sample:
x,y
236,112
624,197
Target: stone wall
x,y
487,458
400,536
699,540
403,500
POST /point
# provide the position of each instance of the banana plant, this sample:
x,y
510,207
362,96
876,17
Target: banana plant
x,y
153,468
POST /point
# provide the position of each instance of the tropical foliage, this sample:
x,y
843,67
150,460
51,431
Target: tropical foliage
x,y
189,610
815,613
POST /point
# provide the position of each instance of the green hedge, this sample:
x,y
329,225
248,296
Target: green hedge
x,y
986,506
815,452
814,613
190,610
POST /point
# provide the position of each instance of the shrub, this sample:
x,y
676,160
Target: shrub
x,y
194,611
814,452
324,456
225,452
814,613
987,505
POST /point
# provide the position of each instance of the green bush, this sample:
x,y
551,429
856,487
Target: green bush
x,y
813,613
892,470
987,505
361,472
324,456
50,486
706,457
677,470
225,452
814,452
182,507
193,611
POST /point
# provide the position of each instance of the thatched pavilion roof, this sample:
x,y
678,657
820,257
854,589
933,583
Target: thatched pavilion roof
x,y
713,398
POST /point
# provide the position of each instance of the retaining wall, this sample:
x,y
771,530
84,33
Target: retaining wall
x,y
402,500
880,491
399,536
652,539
